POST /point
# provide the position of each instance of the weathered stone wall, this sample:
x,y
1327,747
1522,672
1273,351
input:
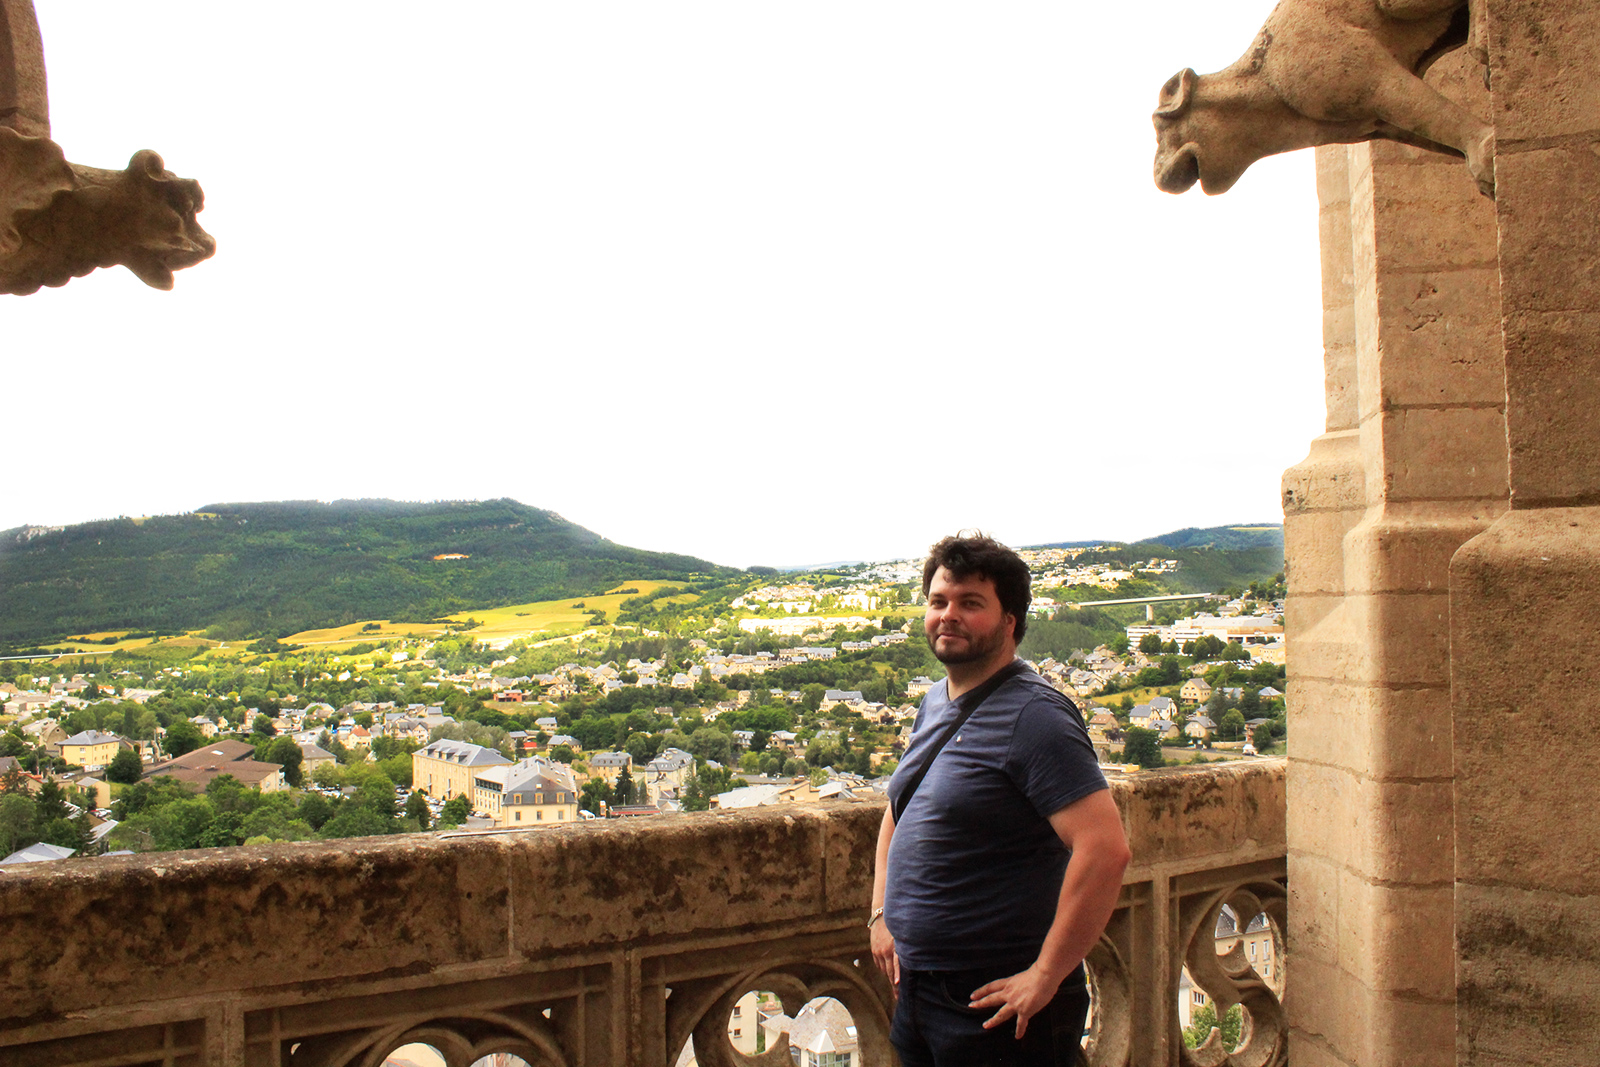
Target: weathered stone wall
x,y
1524,612
1413,465
583,945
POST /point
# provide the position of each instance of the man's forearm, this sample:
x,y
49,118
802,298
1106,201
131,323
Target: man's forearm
x,y
1088,896
880,865
1092,829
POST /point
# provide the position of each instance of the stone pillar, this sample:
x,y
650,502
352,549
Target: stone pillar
x,y
1412,466
1525,614
24,106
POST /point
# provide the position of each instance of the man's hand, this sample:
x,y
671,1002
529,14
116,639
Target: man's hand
x,y
1023,995
883,952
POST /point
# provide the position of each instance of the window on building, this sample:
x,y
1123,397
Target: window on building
x,y
519,816
737,1011
539,815
1252,950
561,814
734,1031
1199,997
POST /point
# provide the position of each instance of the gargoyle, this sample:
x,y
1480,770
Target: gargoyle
x,y
59,220
1324,72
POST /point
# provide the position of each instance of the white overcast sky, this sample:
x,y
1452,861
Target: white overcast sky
x,y
759,282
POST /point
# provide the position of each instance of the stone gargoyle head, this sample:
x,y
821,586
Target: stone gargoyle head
x,y
142,218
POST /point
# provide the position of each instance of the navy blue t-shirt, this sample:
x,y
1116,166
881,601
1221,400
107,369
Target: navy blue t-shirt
x,y
975,868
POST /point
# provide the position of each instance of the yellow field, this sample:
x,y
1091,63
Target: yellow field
x,y
352,634
499,624
1140,696
79,648
524,620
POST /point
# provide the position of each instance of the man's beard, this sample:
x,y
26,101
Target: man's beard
x,y
978,647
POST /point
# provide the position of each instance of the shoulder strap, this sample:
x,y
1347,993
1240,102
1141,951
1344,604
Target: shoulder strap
x,y
968,703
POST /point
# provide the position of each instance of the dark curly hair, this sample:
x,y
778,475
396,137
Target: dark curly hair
x,y
975,555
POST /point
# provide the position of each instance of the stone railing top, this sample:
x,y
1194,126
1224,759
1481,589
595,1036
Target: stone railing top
x,y
326,914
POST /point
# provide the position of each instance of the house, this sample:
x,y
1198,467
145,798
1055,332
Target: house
x,y
1270,692
39,853
90,749
667,773
44,731
1104,720
1200,728
445,768
1195,691
833,697
822,1033
610,765
312,756
538,792
201,767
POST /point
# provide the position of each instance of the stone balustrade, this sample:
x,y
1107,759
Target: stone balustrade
x,y
584,946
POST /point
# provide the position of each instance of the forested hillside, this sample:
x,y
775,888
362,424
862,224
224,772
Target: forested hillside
x,y
278,568
1220,557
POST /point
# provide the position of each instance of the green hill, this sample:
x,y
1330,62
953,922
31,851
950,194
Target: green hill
x,y
278,568
1212,558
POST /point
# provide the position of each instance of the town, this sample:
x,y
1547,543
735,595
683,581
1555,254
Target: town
x,y
744,694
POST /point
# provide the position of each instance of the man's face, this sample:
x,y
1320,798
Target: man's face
x,y
965,623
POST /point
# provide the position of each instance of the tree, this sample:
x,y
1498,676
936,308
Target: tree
x,y
455,811
1204,1020
1150,644
1261,737
315,810
1232,725
51,802
357,821
286,752
417,808
182,737
125,767
376,793
623,791
561,754
1143,747
263,725
709,743
17,823
596,796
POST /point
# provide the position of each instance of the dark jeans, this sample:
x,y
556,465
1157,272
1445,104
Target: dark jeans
x,y
933,1027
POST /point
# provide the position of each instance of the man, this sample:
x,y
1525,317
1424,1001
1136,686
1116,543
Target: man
x,y
978,916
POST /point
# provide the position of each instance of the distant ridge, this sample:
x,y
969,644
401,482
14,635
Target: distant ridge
x,y
1243,535
281,567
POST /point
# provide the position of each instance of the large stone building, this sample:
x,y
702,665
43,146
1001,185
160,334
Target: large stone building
x,y
445,768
